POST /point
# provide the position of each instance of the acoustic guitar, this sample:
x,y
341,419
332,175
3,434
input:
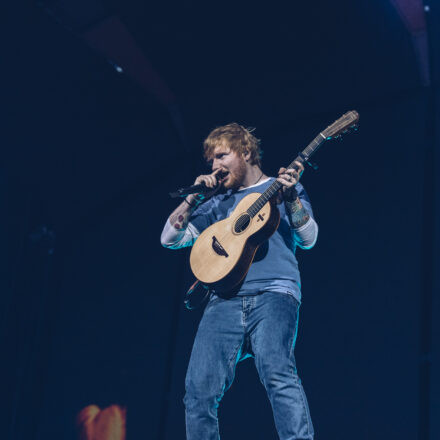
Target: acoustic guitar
x,y
222,254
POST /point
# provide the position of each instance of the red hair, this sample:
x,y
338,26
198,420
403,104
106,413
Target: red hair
x,y
237,138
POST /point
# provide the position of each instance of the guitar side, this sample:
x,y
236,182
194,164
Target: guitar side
x,y
221,256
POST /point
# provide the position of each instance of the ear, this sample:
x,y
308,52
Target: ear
x,y
247,155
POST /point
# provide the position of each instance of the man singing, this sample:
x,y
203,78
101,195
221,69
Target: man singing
x,y
260,320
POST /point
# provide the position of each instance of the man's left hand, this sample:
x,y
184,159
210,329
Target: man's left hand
x,y
289,177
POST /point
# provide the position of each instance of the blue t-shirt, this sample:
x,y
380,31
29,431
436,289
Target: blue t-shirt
x,y
275,267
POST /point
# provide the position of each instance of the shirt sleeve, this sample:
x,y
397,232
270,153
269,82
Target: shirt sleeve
x,y
305,236
173,238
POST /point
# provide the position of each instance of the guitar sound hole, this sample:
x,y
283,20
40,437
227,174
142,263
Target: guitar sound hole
x,y
242,223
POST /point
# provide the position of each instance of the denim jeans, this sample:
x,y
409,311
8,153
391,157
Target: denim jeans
x,y
263,326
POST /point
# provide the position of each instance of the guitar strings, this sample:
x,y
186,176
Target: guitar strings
x,y
275,186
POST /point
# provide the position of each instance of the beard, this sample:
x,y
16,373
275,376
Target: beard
x,y
235,176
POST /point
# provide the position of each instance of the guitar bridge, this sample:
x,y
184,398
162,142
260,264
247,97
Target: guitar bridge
x,y
218,248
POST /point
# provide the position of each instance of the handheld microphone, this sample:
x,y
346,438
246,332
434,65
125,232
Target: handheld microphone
x,y
200,188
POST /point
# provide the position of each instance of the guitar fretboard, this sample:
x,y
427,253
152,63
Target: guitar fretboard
x,y
270,192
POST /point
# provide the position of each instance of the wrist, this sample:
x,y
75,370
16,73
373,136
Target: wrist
x,y
291,196
194,200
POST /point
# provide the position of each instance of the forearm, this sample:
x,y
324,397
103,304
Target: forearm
x,y
179,218
304,227
178,232
298,216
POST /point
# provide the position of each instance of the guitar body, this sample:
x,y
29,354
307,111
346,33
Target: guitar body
x,y
223,253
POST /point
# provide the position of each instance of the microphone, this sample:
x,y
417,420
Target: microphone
x,y
200,188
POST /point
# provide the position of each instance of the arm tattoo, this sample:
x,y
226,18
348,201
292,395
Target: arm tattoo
x,y
298,216
180,216
180,219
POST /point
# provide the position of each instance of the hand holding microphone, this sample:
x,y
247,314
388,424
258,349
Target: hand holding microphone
x,y
203,185
210,180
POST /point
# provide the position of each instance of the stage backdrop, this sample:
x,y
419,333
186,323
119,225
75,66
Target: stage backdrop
x,y
94,305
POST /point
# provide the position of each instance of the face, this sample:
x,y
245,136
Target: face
x,y
233,166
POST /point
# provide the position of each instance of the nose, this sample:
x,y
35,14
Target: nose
x,y
215,164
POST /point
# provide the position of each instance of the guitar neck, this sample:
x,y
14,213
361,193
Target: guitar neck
x,y
346,122
270,192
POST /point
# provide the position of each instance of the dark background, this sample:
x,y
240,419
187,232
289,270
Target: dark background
x,y
91,303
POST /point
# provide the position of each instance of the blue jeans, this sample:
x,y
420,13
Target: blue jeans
x,y
263,326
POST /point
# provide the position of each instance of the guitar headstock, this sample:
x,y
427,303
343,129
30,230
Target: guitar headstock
x,y
344,124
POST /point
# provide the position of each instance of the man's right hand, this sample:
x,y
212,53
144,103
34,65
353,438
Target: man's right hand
x,y
210,180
